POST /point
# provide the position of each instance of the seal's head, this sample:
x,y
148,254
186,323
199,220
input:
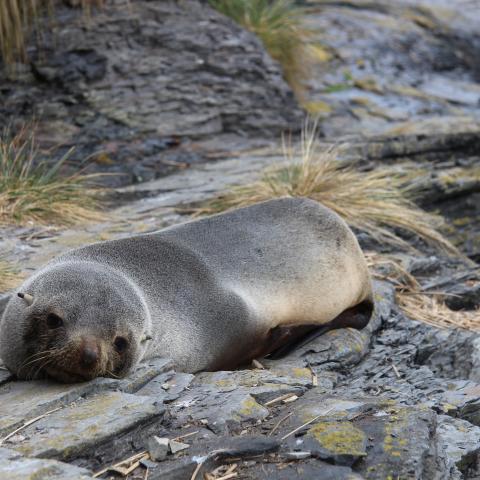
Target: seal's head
x,y
74,321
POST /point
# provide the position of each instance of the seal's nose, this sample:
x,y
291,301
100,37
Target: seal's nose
x,y
89,356
89,352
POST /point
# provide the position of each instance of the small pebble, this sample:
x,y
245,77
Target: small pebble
x,y
178,446
158,448
297,455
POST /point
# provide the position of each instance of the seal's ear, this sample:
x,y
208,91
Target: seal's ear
x,y
28,298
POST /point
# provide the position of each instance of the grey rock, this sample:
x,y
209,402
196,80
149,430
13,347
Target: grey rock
x,y
15,467
460,440
35,398
305,470
38,397
464,297
143,374
425,72
400,442
148,464
243,446
296,455
339,442
462,400
262,385
158,448
167,386
221,411
179,470
452,353
176,447
190,83
80,427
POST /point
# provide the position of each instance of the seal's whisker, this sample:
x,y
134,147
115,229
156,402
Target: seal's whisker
x,y
37,357
41,367
31,373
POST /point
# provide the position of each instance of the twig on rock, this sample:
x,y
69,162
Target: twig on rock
x,y
185,436
27,424
278,423
279,399
118,466
306,423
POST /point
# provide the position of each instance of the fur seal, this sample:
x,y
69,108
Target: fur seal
x,y
211,294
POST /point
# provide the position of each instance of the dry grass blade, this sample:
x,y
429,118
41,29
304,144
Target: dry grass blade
x,y
125,464
279,25
16,19
376,202
427,307
31,190
314,419
9,277
432,309
28,423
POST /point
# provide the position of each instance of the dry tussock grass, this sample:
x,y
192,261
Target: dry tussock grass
x,y
279,25
9,277
427,307
16,18
31,190
376,202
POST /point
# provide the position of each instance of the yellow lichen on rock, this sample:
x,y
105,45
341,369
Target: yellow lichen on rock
x,y
340,438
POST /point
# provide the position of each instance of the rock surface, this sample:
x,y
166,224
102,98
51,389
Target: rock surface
x,y
137,83
15,467
399,399
392,67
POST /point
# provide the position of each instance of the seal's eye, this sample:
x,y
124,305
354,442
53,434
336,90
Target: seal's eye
x,y
54,321
121,344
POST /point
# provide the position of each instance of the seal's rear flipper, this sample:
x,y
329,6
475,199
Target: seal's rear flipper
x,y
291,338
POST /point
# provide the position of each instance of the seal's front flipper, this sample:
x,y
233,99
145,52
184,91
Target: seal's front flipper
x,y
286,339
290,338
355,317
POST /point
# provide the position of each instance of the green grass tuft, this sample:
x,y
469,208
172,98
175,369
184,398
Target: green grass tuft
x,y
17,18
33,191
279,25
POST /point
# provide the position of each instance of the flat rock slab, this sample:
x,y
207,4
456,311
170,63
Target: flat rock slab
x,y
308,470
460,441
262,385
376,436
221,411
167,386
338,441
462,400
15,467
38,397
22,401
143,374
85,424
210,81
400,441
211,454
